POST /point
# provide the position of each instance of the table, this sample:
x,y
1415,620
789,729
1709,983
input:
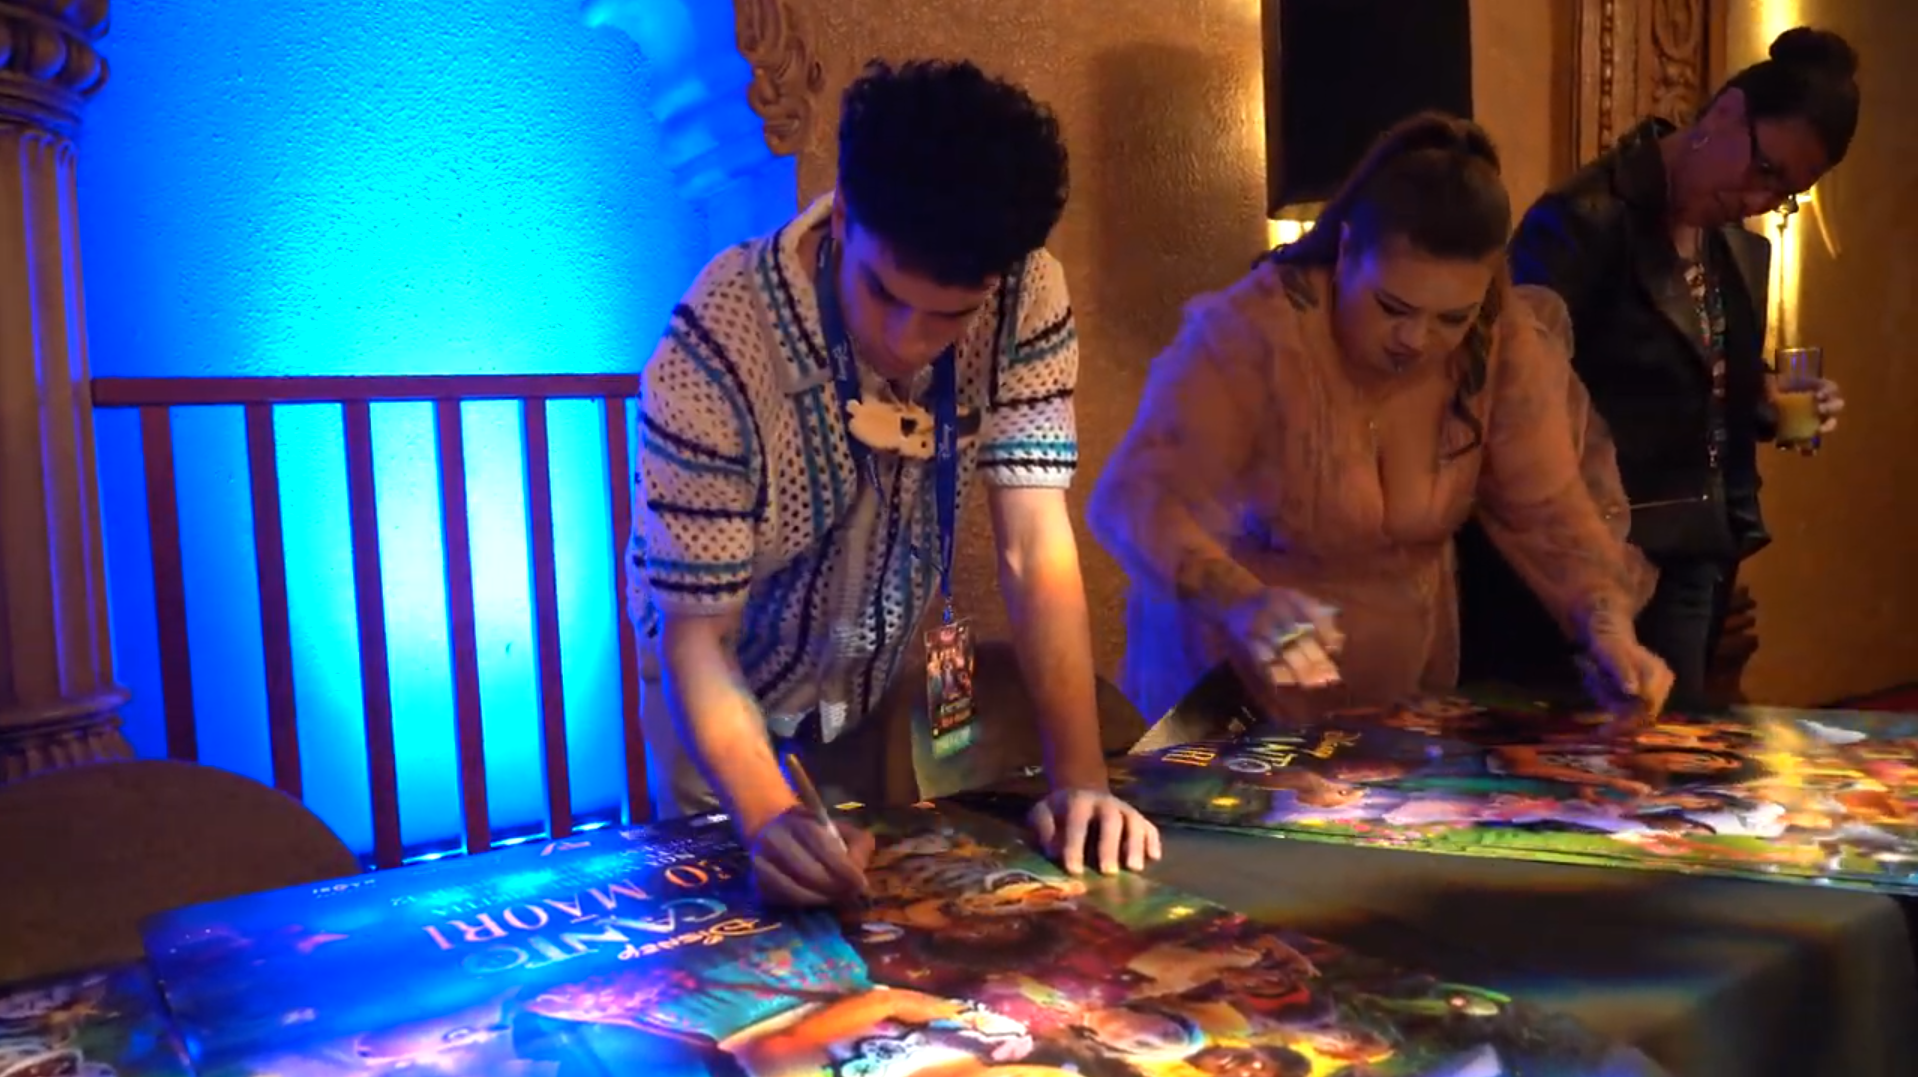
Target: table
x,y
1710,977
466,965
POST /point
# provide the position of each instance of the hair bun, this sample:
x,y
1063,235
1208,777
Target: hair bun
x,y
1813,50
1442,131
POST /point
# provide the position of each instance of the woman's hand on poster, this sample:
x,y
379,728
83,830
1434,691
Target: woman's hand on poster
x,y
1625,678
1291,636
1064,822
1829,402
798,861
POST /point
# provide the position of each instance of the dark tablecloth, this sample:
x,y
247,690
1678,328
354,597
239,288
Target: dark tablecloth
x,y
1709,977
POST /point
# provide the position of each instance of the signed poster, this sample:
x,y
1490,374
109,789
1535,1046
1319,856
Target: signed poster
x,y
1824,797
644,951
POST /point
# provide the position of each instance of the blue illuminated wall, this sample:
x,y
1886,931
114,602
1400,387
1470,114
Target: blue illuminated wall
x,y
380,187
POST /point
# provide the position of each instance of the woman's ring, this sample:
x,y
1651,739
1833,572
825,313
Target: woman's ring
x,y
1292,636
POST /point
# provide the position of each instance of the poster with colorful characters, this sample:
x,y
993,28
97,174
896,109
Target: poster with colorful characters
x,y
368,958
1825,797
103,1023
643,951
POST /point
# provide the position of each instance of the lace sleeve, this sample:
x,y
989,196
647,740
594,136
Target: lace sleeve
x,y
1553,502
1168,488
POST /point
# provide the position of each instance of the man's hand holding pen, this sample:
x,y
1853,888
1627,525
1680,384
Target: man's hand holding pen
x,y
803,856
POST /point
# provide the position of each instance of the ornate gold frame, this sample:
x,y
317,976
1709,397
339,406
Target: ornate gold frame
x,y
787,77
1636,58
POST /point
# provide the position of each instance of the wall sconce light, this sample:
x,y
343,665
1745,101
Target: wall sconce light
x,y
1296,222
1785,227
1780,220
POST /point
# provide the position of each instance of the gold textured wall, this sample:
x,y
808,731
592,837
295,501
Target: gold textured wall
x,y
1161,101
1837,592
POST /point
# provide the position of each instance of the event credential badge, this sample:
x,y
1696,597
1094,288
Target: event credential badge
x,y
949,713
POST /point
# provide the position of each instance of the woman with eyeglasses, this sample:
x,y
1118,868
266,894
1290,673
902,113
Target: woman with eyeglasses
x,y
1667,293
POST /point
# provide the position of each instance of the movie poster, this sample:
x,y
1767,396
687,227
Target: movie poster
x,y
1828,797
105,1023
642,951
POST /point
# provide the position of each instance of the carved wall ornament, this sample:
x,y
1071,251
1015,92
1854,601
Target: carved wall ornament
x,y
48,63
1608,72
1635,58
787,78
777,81
1678,59
1604,65
729,91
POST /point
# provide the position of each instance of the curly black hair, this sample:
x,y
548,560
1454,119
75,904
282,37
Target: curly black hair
x,y
959,173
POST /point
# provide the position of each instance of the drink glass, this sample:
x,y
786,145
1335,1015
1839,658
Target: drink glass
x,y
1798,371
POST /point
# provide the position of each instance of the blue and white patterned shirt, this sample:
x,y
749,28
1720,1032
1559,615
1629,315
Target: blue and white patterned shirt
x,y
748,497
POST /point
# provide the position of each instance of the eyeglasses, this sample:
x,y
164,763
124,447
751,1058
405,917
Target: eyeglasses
x,y
1766,173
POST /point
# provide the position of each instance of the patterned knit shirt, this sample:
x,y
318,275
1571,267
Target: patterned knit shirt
x,y
747,492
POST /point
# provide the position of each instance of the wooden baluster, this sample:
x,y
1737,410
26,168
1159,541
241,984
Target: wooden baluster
x,y
462,627
370,601
356,394
169,583
619,472
276,630
552,685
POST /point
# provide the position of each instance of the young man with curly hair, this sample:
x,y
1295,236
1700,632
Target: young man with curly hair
x,y
822,401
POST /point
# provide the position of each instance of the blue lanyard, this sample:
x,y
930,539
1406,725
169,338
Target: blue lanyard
x,y
945,413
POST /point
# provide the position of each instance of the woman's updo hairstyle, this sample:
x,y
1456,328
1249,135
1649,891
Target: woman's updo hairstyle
x,y
1432,182
1810,75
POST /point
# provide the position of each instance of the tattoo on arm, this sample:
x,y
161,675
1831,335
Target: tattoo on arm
x,y
1210,579
1561,523
1560,548
1603,619
1523,408
1164,437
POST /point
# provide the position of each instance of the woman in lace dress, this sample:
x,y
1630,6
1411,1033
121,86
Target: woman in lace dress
x,y
1287,495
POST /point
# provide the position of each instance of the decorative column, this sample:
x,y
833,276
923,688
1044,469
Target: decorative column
x,y
58,699
733,86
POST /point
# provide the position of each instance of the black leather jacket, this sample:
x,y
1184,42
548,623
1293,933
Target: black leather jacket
x,y
1600,240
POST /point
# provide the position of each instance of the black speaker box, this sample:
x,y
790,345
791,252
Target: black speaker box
x,y
1339,72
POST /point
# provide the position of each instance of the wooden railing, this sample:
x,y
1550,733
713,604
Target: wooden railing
x,y
156,398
